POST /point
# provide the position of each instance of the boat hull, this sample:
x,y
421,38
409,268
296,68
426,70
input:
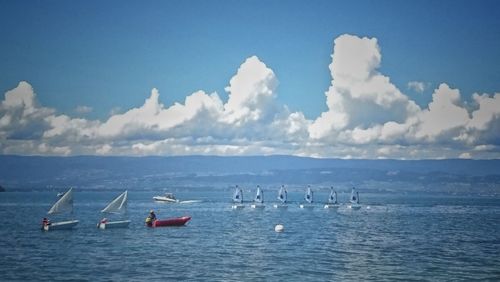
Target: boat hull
x,y
306,206
354,206
175,221
237,206
331,206
62,225
114,224
258,206
280,206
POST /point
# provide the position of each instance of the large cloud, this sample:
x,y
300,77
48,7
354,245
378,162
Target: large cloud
x,y
359,96
249,122
367,117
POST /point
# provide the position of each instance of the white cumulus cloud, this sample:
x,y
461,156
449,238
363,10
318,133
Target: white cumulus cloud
x,y
367,117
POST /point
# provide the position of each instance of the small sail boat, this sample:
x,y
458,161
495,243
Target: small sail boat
x,y
63,205
332,200
259,199
354,201
309,199
237,199
282,198
117,206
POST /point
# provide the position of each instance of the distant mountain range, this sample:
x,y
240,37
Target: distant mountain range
x,y
92,172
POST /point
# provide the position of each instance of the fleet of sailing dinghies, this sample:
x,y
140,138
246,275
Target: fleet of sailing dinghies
x,y
117,206
258,202
62,206
332,200
282,198
309,199
354,201
238,199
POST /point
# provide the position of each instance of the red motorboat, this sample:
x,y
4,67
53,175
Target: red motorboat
x,y
175,221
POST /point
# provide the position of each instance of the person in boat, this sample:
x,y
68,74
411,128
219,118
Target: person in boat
x,y
103,221
45,222
151,218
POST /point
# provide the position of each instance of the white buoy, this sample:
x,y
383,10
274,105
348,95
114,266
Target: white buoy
x,y
279,228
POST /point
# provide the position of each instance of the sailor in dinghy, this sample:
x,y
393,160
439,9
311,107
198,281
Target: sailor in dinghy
x,y
237,199
117,206
354,200
259,199
63,205
309,199
282,197
332,200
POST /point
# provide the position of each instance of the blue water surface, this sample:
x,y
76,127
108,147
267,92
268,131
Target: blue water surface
x,y
393,237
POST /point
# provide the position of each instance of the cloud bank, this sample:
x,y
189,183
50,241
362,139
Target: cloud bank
x,y
367,117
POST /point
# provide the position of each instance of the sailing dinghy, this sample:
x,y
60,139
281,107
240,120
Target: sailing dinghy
x,y
309,199
282,198
237,199
354,201
259,199
117,206
332,200
63,205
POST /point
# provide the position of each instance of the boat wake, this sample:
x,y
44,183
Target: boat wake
x,y
190,201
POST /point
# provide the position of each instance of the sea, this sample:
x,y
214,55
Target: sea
x,y
393,237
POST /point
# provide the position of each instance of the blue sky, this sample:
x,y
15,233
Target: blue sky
x,y
108,55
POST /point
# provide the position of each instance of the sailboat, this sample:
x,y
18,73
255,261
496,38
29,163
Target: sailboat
x,y
332,200
354,201
237,199
282,197
259,199
117,206
309,199
63,205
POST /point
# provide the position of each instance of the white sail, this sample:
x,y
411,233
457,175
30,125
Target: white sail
x,y
282,194
259,196
354,196
64,204
118,205
309,195
238,195
332,199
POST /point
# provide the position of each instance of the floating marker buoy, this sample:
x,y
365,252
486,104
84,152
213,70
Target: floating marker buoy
x,y
279,228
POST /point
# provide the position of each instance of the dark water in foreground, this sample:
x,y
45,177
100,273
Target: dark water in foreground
x,y
393,237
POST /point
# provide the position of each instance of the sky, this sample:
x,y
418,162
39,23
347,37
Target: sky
x,y
328,79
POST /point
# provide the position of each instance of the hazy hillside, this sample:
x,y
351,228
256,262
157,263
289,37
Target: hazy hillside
x,y
89,172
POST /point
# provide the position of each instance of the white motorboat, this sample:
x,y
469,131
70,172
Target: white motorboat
x,y
167,197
